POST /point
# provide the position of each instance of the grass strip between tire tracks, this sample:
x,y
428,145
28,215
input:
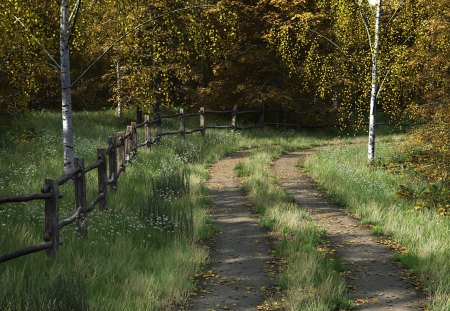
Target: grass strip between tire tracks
x,y
310,277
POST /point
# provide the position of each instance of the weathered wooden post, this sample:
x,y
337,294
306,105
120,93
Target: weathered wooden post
x,y
138,115
51,233
102,177
133,139
112,157
262,118
158,127
182,124
284,120
233,118
128,147
121,151
202,120
80,196
147,131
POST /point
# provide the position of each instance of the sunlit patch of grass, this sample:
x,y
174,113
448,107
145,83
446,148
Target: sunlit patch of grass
x,y
310,278
371,193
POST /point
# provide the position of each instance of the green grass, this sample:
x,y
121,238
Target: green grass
x,y
310,278
140,254
371,194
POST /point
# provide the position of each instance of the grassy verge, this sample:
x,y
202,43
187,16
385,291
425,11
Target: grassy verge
x,y
310,278
140,254
371,194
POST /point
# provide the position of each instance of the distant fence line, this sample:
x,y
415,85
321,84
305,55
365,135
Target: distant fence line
x,y
110,165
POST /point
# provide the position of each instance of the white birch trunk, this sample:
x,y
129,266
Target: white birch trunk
x,y
119,89
66,96
374,89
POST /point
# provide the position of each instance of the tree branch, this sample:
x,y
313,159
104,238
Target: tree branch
x,y
388,63
75,10
39,43
337,47
74,15
366,26
131,31
394,14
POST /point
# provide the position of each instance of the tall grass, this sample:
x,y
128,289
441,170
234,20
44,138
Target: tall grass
x,y
310,278
371,194
140,253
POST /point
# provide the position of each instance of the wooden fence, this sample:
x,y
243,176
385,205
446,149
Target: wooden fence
x,y
110,165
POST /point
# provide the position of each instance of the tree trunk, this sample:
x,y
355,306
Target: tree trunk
x,y
374,89
119,89
66,96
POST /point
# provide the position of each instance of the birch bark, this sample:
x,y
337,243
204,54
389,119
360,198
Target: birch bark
x,y
66,96
119,90
374,89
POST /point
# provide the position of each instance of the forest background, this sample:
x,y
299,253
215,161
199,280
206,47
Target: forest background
x,y
298,55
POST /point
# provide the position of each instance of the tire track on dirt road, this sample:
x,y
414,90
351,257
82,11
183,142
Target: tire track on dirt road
x,y
236,278
375,281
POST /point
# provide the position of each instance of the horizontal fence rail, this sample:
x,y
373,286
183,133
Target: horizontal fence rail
x,y
111,164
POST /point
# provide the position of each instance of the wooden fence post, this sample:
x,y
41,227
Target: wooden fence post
x,y
51,233
80,196
233,118
134,148
284,120
138,115
147,131
202,120
121,151
262,118
182,123
112,156
102,177
158,127
128,148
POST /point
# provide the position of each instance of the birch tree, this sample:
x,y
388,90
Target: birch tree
x,y
66,88
346,53
374,88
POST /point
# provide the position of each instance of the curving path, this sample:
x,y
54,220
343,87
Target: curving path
x,y
236,278
375,280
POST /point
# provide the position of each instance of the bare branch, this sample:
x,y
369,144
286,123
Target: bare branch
x,y
388,63
39,43
394,14
131,31
337,47
75,10
74,15
382,82
366,26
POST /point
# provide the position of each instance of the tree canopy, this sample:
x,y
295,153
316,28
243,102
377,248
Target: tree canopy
x,y
309,54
